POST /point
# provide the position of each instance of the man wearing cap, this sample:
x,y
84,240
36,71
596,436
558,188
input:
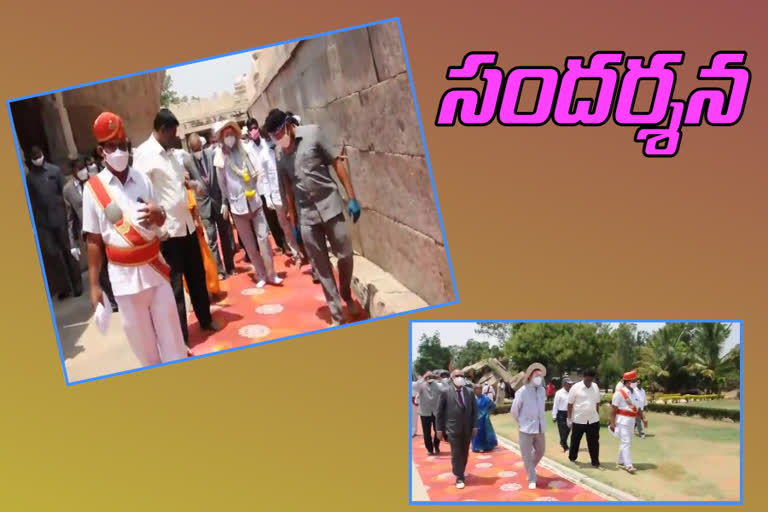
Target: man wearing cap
x,y
314,203
456,417
624,412
584,417
560,412
272,197
528,411
155,158
239,179
120,219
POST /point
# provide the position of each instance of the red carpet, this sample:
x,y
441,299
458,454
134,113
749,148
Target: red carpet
x,y
495,476
252,315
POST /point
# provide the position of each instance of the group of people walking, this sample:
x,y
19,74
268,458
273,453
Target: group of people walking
x,y
153,219
447,412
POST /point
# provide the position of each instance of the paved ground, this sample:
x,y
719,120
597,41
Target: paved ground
x,y
249,314
495,476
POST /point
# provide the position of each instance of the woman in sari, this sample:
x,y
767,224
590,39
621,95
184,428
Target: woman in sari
x,y
485,440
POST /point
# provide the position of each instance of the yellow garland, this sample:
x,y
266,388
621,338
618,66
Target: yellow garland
x,y
243,173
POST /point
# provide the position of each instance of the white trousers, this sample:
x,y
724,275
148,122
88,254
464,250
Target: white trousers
x,y
152,326
625,441
415,419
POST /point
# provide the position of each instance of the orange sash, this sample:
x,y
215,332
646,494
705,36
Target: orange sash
x,y
141,251
624,412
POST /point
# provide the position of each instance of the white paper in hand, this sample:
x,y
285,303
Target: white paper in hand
x,y
103,315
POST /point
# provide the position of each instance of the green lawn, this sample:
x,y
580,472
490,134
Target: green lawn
x,y
682,459
714,404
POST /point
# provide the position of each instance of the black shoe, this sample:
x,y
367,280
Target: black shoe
x,y
222,276
431,452
64,295
437,451
79,293
114,308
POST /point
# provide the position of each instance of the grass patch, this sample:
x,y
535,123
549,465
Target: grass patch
x,y
682,459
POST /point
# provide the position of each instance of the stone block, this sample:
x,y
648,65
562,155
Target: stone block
x,y
387,47
398,187
315,83
350,62
416,260
379,292
387,121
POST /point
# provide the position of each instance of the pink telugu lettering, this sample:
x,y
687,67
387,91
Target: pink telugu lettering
x,y
659,129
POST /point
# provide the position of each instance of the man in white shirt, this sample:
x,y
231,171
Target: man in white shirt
x,y
264,156
489,392
642,402
584,417
560,412
119,216
528,410
181,249
624,413
414,409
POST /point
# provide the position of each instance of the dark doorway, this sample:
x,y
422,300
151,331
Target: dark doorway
x,y
28,122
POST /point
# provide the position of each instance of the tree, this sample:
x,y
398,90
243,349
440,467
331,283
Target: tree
x,y
473,352
627,343
681,357
432,355
728,374
560,346
498,331
168,96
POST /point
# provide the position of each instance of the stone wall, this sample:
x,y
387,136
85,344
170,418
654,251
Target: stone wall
x,y
136,99
355,85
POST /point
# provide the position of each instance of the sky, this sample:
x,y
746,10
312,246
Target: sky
x,y
459,333
202,79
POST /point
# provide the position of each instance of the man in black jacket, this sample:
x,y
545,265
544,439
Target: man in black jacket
x,y
46,186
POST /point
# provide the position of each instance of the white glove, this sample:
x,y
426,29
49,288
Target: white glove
x,y
224,211
75,253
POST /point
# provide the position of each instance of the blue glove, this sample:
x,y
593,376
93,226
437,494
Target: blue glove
x,y
354,209
297,235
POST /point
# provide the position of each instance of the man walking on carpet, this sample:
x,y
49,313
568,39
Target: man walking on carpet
x,y
528,410
457,423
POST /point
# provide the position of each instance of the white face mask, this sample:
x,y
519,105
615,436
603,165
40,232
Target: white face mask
x,y
458,381
198,154
82,174
117,160
633,385
536,380
230,140
38,161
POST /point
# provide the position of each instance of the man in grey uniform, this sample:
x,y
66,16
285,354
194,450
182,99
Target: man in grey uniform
x,y
429,388
314,204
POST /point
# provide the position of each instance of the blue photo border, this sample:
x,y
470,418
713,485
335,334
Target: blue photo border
x,y
458,321
426,154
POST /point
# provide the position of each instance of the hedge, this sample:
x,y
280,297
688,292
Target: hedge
x,y
688,398
679,410
692,410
